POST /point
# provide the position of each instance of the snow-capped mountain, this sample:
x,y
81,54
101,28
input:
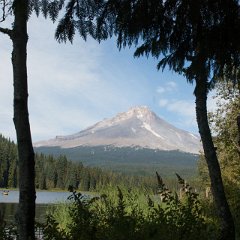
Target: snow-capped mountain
x,y
138,127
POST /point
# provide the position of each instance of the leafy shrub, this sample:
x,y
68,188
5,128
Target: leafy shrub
x,y
121,216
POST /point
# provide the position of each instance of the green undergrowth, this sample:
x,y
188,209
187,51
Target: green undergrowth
x,y
123,213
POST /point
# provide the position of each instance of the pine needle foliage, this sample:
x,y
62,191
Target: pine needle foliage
x,y
80,16
179,33
48,8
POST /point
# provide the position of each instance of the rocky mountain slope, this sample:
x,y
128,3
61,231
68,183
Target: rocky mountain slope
x,y
138,127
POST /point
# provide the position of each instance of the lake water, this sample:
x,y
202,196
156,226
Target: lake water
x,y
42,197
9,203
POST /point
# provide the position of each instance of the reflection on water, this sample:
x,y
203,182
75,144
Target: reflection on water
x,y
9,209
9,203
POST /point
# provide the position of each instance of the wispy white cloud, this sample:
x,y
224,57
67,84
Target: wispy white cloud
x,y
62,79
163,102
171,85
161,89
182,107
184,110
64,84
70,86
167,87
74,86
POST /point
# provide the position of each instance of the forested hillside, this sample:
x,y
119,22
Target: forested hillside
x,y
59,172
8,163
130,160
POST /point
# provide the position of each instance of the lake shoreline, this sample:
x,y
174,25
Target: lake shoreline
x,y
44,199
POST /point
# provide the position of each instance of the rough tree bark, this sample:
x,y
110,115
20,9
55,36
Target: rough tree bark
x,y
26,210
227,224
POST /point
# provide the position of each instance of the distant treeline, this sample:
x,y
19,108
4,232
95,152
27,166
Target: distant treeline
x,y
130,160
58,172
8,163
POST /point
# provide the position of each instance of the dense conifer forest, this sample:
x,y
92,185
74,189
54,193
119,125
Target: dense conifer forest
x,y
59,172
130,160
8,163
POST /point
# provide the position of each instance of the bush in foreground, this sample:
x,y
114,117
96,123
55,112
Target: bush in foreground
x,y
121,216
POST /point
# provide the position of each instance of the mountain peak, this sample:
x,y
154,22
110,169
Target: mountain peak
x,y
139,109
139,112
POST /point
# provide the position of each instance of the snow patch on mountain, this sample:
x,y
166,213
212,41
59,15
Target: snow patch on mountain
x,y
134,130
193,135
148,127
179,136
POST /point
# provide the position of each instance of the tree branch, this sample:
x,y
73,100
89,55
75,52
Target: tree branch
x,y
6,9
6,31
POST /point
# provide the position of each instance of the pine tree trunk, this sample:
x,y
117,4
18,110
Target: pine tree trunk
x,y
227,224
26,211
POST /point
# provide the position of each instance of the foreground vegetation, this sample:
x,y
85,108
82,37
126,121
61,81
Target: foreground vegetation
x,y
129,214
227,143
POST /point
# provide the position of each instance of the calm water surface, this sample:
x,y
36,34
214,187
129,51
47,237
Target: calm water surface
x,y
43,197
9,203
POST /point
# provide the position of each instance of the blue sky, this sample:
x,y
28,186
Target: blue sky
x,y
74,86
